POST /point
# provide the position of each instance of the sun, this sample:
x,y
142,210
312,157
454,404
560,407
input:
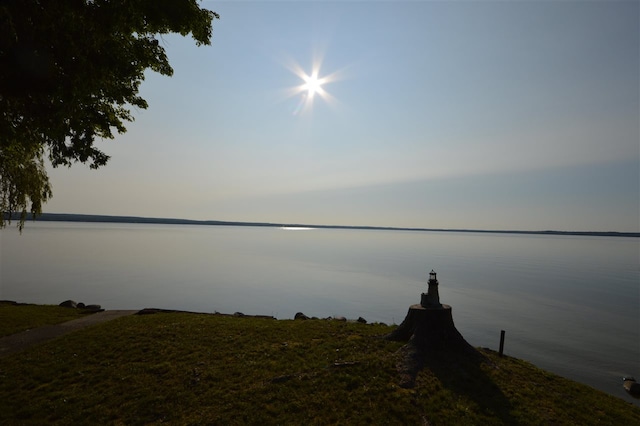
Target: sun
x,y
312,85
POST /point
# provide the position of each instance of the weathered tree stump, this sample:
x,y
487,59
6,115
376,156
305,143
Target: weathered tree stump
x,y
430,333
430,329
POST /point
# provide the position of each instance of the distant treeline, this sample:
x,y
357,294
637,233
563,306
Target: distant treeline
x,y
67,217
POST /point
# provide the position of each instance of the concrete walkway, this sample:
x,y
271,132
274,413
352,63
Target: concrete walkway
x,y
21,341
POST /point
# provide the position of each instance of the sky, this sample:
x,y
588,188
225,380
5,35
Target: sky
x,y
428,114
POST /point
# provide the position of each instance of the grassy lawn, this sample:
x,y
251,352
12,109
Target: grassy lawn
x,y
181,368
16,318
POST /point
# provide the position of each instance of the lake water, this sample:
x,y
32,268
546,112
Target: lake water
x,y
569,304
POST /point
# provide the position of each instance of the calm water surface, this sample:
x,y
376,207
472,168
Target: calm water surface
x,y
568,304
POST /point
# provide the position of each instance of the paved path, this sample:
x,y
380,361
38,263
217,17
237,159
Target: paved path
x,y
21,341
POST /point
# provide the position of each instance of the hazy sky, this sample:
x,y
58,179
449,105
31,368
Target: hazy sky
x,y
474,114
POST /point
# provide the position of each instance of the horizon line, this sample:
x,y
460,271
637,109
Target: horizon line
x,y
79,217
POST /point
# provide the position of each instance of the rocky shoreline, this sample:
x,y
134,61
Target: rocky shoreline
x,y
148,311
93,308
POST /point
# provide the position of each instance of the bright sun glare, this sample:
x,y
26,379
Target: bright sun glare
x,y
313,84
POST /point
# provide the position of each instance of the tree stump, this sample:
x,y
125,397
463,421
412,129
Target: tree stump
x,y
430,328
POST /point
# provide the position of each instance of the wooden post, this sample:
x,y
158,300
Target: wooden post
x,y
501,342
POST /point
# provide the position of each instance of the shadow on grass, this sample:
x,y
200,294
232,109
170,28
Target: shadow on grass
x,y
461,373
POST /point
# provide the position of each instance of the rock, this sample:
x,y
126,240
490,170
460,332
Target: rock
x,y
631,386
263,316
69,304
238,314
339,319
362,320
94,308
300,316
80,305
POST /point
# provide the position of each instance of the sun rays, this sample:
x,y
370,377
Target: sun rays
x,y
312,85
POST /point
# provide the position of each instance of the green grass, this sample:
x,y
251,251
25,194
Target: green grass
x,y
180,368
15,318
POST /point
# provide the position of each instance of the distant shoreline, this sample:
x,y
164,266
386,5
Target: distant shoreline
x,y
69,217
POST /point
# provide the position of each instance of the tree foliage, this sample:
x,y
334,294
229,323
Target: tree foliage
x,y
70,71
